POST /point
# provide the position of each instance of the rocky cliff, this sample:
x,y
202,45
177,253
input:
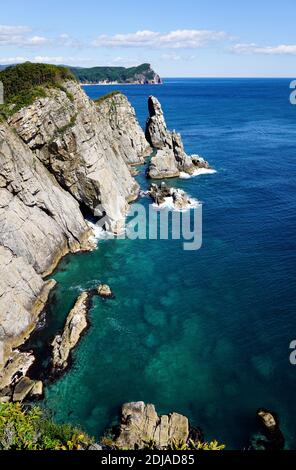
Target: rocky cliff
x,y
60,157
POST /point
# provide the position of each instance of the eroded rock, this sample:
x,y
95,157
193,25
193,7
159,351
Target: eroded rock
x,y
140,425
171,158
76,323
104,291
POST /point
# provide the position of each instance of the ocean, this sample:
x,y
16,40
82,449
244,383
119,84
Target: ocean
x,y
204,333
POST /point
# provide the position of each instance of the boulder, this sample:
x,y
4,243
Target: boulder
x,y
141,425
37,390
76,323
22,389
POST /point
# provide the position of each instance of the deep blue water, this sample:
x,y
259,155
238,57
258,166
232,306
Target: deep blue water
x,y
204,333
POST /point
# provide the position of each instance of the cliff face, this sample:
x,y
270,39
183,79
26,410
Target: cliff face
x,y
58,156
75,139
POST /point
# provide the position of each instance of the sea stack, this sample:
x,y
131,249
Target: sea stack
x,y
171,158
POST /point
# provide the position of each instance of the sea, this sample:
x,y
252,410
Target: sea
x,y
204,333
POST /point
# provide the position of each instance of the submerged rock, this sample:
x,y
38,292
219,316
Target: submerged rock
x,y
140,425
171,158
76,323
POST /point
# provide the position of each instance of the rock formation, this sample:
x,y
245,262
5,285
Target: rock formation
x,y
170,158
60,158
76,323
161,194
104,291
140,425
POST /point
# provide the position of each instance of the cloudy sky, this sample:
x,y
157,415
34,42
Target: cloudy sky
x,y
197,38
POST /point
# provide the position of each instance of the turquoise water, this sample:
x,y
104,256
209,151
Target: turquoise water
x,y
204,333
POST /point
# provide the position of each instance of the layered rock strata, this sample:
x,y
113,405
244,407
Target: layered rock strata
x,y
60,158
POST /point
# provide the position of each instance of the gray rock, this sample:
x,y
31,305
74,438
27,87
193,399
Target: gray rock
x,y
171,157
37,390
22,389
140,425
16,367
76,323
57,156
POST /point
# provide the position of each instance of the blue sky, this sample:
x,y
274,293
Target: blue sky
x,y
194,38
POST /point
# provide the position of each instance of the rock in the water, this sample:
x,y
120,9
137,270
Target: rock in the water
x,y
272,437
22,389
161,194
140,425
104,291
171,157
163,165
76,323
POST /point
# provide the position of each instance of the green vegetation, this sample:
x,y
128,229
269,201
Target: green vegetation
x,y
108,95
113,74
26,82
31,429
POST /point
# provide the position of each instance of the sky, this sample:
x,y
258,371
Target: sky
x,y
185,38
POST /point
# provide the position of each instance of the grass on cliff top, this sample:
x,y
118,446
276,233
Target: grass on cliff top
x,y
26,82
107,96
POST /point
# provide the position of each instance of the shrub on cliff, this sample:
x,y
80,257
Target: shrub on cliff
x,y
24,83
31,429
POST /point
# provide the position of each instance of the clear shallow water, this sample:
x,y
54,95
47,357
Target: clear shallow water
x,y
204,333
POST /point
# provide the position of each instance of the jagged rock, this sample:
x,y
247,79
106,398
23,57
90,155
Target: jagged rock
x,y
22,389
140,424
171,157
127,135
16,367
159,194
76,323
58,157
104,291
75,139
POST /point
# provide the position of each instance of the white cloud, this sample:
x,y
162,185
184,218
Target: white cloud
x,y
253,48
179,39
58,60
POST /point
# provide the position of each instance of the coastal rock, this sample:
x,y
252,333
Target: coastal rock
x,y
161,194
104,291
37,390
171,158
271,436
128,138
23,389
15,368
140,424
61,158
76,323
163,165
75,139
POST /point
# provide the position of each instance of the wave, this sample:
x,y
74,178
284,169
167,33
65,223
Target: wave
x,y
197,172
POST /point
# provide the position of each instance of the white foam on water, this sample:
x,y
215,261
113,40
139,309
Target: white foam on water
x,y
169,204
197,172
